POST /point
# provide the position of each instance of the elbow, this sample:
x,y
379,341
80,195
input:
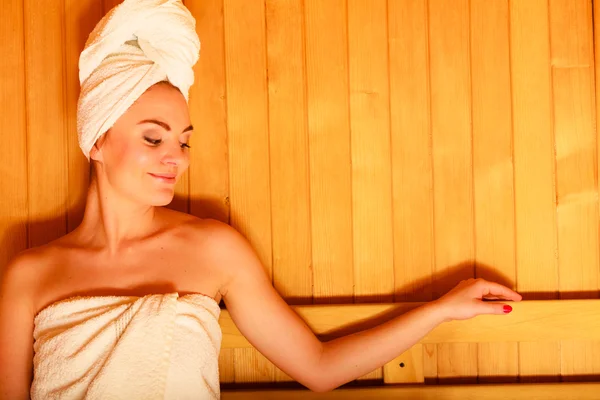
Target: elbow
x,y
319,388
320,385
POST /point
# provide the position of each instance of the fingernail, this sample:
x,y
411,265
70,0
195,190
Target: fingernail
x,y
507,309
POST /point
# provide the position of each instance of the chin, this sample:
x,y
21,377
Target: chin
x,y
161,199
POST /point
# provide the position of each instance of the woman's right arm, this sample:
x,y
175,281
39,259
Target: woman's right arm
x,y
16,329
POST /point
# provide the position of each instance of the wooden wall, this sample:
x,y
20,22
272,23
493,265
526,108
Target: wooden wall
x,y
370,150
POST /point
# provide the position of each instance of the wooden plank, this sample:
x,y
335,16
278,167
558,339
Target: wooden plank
x,y
288,133
493,169
452,158
430,372
46,121
580,360
370,149
539,361
209,163
559,391
576,150
13,124
80,19
530,321
250,366
455,363
535,198
406,368
498,362
247,124
329,149
411,146
576,167
226,366
596,60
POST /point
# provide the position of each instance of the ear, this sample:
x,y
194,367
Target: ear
x,y
96,151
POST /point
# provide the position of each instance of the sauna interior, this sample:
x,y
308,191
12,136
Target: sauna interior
x,y
374,153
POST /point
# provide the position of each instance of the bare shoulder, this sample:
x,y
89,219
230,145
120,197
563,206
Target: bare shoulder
x,y
219,239
225,247
20,277
234,254
201,231
219,248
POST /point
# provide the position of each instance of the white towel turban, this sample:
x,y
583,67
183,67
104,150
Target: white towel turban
x,y
137,44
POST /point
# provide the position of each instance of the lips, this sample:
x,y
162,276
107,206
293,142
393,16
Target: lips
x,y
167,178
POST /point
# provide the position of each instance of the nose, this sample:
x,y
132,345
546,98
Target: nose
x,y
174,156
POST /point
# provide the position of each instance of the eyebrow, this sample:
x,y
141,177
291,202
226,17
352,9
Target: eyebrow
x,y
164,125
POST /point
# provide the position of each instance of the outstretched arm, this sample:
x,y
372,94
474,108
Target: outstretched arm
x,y
275,330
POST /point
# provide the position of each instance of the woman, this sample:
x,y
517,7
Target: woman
x,y
126,305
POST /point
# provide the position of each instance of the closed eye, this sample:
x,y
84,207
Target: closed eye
x,y
154,142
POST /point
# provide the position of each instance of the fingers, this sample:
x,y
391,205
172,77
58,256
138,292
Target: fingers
x,y
496,308
493,290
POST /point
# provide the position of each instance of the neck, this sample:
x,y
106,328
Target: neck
x,y
111,221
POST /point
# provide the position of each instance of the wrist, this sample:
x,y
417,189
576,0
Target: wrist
x,y
438,311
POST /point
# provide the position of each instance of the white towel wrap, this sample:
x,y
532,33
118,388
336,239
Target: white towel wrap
x,y
153,347
137,44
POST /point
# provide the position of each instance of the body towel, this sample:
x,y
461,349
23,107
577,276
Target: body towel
x,y
123,347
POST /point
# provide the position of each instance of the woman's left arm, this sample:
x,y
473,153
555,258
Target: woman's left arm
x,y
275,330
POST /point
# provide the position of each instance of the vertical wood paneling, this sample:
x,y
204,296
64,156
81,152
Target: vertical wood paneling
x,y
13,119
535,199
46,120
80,19
292,269
406,368
250,366
248,124
580,360
576,160
288,133
209,163
493,168
430,370
248,130
411,167
576,183
370,149
329,148
596,60
457,363
452,164
411,150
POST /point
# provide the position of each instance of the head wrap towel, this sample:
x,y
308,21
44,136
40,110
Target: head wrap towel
x,y
137,44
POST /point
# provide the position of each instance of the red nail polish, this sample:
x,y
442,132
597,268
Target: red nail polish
x,y
507,309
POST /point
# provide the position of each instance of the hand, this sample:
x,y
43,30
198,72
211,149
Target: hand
x,y
465,300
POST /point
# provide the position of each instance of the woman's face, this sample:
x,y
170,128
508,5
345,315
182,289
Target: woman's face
x,y
146,151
